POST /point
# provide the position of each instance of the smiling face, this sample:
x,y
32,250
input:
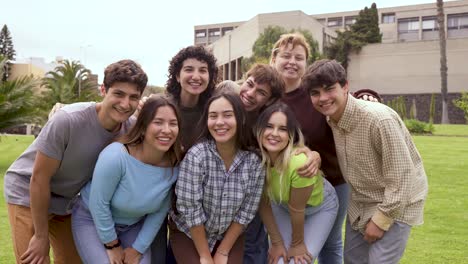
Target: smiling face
x,y
330,100
221,122
275,137
162,132
290,62
254,95
120,102
193,77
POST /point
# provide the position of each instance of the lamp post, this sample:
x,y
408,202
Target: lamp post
x,y
84,48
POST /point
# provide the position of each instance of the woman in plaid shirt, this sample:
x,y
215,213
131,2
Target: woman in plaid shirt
x,y
219,187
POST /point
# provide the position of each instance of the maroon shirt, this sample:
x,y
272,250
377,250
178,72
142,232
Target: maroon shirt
x,y
317,134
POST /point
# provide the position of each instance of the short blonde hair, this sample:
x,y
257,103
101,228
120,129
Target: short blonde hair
x,y
295,39
227,86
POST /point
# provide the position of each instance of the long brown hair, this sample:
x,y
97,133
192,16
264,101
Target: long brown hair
x,y
239,113
136,135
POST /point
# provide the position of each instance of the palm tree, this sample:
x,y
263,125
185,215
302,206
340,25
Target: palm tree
x,y
443,60
70,82
19,104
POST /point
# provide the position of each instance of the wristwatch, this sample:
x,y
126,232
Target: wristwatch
x,y
113,246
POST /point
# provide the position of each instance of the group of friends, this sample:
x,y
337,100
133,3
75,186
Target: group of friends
x,y
261,172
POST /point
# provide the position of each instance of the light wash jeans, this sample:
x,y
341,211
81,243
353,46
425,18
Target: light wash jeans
x,y
256,242
87,241
332,251
318,221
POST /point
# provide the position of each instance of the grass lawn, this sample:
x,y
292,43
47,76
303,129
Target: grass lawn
x,y
451,130
442,239
10,148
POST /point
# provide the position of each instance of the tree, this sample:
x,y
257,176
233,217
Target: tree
x,y
262,47
443,60
19,103
6,51
70,82
365,30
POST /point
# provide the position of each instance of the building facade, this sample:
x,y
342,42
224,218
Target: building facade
x,y
407,62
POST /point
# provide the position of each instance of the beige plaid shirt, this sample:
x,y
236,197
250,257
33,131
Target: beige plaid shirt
x,y
379,160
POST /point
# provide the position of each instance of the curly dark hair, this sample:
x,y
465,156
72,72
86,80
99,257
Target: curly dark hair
x,y
175,65
126,71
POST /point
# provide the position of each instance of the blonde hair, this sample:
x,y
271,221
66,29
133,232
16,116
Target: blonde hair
x,y
295,39
296,139
227,86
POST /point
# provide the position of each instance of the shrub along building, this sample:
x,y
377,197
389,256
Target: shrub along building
x,y
406,63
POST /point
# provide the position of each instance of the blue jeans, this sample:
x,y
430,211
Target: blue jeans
x,y
332,251
317,225
256,242
89,246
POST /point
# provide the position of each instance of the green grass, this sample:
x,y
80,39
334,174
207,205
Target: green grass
x,y
10,148
442,239
451,130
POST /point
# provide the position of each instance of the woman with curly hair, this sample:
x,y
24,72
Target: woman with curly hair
x,y
192,79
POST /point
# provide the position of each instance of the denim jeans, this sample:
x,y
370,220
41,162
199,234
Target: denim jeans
x,y
256,242
87,241
332,251
318,221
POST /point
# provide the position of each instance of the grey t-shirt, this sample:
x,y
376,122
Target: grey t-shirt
x,y
73,136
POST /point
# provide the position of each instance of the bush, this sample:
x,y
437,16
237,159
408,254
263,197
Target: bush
x,y
462,103
418,127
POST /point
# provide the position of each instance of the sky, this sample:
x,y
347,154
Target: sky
x,y
100,32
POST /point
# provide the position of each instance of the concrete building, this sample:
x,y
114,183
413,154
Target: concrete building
x,y
35,66
405,63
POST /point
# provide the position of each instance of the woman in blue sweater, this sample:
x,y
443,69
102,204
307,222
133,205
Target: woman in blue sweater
x,y
122,208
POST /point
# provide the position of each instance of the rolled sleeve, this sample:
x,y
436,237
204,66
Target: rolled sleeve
x,y
397,172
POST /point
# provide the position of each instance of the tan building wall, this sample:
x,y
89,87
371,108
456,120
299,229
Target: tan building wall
x,y
409,67
238,44
22,69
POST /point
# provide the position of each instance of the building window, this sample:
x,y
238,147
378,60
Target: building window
x,y
321,21
335,22
200,33
214,33
388,18
408,25
457,21
430,24
227,30
350,21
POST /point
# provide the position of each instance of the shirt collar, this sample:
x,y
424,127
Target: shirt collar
x,y
240,154
347,121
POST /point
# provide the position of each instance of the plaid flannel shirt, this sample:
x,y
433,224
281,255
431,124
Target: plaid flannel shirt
x,y
209,195
380,161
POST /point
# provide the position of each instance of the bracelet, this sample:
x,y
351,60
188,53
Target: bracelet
x,y
113,246
223,253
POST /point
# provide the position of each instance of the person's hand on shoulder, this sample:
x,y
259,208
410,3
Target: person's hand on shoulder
x,y
54,109
368,95
312,165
